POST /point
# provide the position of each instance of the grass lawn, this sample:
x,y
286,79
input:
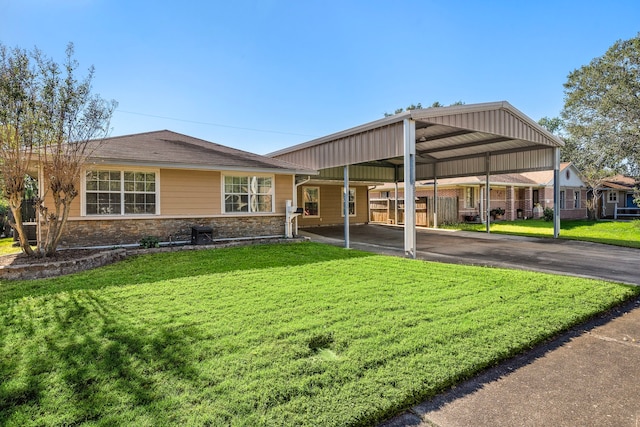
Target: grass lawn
x,y
7,248
610,232
301,334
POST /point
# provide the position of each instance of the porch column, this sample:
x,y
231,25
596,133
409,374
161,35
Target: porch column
x,y
487,190
346,206
410,188
510,211
556,193
528,202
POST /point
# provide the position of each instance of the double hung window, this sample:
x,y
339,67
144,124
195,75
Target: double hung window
x,y
352,202
311,200
248,194
115,192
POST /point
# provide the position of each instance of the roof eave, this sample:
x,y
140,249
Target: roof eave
x,y
188,166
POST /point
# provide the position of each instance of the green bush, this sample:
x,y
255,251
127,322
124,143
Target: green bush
x,y
150,242
548,214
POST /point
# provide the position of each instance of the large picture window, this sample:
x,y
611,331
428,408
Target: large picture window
x,y
248,194
311,197
112,192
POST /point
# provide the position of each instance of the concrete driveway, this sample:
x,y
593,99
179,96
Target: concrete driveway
x,y
568,257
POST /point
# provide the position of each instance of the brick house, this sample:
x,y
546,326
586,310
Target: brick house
x,y
517,194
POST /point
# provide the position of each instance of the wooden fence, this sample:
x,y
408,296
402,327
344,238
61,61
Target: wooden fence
x,y
383,211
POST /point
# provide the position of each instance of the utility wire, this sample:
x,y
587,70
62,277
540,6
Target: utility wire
x,y
214,124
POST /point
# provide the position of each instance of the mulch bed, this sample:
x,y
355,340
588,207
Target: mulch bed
x,y
63,255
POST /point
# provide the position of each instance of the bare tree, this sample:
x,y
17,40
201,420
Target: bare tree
x,y
64,122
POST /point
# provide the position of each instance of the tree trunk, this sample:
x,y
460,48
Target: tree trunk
x,y
16,209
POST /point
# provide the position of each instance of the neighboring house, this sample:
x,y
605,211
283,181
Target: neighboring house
x,y
618,197
163,183
516,194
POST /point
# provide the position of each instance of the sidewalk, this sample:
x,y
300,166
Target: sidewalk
x,y
588,377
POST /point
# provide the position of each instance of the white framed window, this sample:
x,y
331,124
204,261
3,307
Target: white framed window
x,y
576,199
352,202
562,200
613,197
311,200
469,198
248,194
120,192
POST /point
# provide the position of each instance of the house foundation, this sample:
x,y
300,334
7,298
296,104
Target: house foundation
x,y
126,231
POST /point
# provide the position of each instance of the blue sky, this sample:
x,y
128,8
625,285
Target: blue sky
x,y
264,75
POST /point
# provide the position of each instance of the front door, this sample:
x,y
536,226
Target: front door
x,y
630,203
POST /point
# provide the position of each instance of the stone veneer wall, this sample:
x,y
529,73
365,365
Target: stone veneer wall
x,y
106,232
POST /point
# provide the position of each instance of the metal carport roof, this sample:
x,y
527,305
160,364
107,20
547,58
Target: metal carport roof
x,y
432,143
449,142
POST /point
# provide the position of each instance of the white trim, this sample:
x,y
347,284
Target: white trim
x,y
249,176
610,199
355,196
122,170
99,163
155,217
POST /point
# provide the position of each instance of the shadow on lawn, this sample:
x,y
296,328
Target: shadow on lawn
x,y
85,361
174,265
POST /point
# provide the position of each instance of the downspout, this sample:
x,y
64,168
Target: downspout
x,y
295,199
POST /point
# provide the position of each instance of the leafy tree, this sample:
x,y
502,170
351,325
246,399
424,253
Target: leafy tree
x,y
602,116
557,126
602,108
47,119
418,106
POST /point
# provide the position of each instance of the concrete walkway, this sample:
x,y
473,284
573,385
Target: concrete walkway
x,y
589,376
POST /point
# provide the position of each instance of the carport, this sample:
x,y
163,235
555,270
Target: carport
x,y
433,143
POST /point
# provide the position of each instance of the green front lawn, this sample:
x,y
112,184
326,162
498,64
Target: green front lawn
x,y
301,334
7,248
609,232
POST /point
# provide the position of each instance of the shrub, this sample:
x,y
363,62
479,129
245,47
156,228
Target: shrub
x,y
548,214
150,242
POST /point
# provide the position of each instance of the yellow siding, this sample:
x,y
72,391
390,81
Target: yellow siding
x,y
75,204
331,206
284,192
194,193
186,192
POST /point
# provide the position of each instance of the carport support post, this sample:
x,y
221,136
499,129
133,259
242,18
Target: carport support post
x,y
435,202
410,187
346,206
487,189
556,193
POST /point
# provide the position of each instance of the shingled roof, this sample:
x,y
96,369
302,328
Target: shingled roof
x,y
173,150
